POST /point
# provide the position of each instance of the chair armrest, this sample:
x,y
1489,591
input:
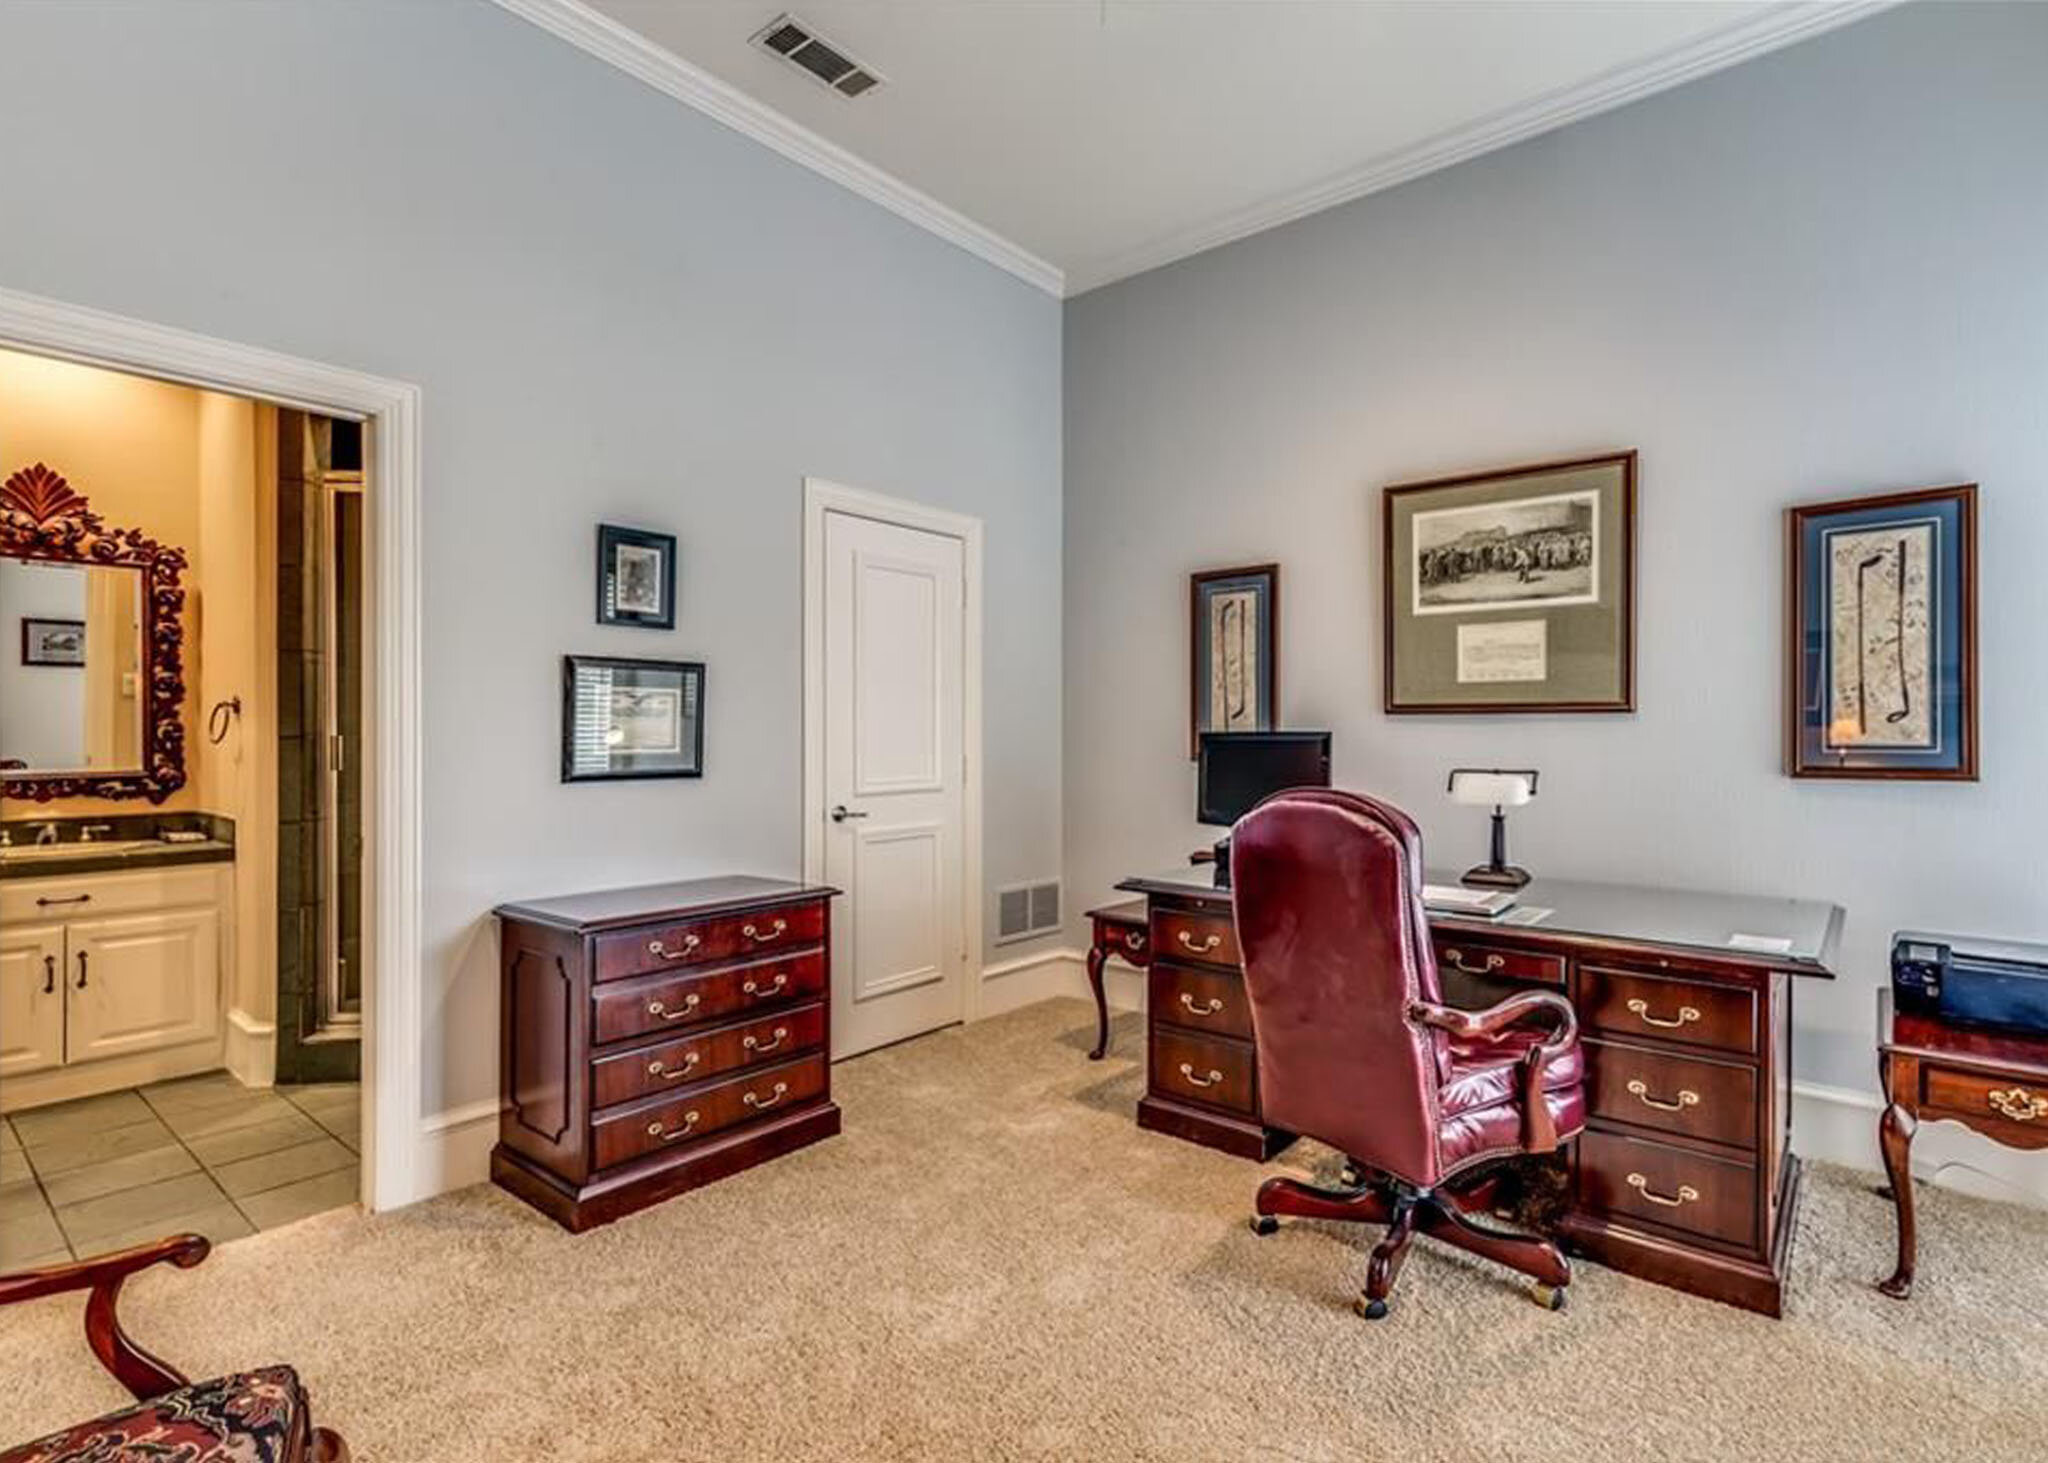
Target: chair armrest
x,y
142,1374
1539,1129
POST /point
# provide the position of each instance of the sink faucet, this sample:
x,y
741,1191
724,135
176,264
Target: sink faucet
x,y
46,835
93,830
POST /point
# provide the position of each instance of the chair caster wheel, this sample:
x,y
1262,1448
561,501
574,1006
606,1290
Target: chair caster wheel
x,y
1372,1310
1265,1224
1550,1297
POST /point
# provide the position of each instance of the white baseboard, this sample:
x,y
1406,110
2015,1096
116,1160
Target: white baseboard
x,y
455,1147
1029,979
251,1053
1839,1125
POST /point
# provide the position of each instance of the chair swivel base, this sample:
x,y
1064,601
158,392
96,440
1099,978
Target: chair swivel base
x,y
1440,1213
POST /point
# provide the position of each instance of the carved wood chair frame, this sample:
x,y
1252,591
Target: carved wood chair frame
x,y
44,517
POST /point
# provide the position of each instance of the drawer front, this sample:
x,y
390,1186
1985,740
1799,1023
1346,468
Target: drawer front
x,y
1204,1069
705,1054
661,1003
1666,1008
83,896
1635,1178
662,1127
1182,934
1690,1096
1200,1000
1496,962
2011,1112
654,948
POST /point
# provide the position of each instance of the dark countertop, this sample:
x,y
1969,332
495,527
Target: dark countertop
x,y
84,858
685,899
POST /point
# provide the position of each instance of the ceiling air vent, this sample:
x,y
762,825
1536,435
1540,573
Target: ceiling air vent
x,y
819,59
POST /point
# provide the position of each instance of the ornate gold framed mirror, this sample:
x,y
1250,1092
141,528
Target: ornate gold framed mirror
x,y
93,698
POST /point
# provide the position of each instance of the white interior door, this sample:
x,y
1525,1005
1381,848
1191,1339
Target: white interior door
x,y
895,613
143,981
31,998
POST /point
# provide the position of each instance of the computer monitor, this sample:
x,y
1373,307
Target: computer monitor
x,y
1239,770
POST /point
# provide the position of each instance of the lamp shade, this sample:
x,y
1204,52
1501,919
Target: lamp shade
x,y
1493,788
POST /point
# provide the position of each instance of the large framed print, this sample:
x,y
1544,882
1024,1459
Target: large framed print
x,y
1512,590
1881,660
1234,632
631,718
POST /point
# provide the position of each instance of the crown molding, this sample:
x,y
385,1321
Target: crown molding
x,y
1723,47
638,57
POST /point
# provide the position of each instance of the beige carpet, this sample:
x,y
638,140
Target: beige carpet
x,y
994,1263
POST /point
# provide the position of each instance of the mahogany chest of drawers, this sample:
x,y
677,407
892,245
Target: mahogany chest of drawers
x,y
657,1039
1685,1174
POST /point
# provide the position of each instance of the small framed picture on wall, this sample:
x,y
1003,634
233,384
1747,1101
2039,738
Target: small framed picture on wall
x,y
1881,660
1234,631
631,718
636,577
52,642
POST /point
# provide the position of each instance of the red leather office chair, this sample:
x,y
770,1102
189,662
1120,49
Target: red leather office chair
x,y
1357,1051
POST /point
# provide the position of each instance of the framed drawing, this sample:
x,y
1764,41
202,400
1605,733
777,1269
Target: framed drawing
x,y
631,718
1881,660
1512,590
1234,632
636,577
52,642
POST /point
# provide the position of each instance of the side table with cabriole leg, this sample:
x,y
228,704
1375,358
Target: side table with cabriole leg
x,y
1992,1082
1119,930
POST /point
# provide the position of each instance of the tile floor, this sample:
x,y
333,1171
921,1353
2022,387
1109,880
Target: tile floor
x,y
204,1154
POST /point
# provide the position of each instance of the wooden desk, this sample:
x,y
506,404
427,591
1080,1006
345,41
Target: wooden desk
x,y
1115,930
1685,1173
1992,1082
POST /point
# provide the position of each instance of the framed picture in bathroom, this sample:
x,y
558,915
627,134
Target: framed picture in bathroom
x,y
52,642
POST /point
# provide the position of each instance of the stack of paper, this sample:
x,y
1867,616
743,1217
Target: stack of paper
x,y
1476,903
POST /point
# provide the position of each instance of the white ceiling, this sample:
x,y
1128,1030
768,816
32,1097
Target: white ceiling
x,y
1103,137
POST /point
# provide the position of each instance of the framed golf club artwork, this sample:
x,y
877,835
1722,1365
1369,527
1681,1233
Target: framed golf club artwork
x,y
1881,655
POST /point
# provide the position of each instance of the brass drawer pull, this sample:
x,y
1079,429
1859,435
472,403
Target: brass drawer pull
x,y
1211,1080
762,1104
1188,942
755,988
1456,960
761,938
690,1003
1640,1090
2018,1104
754,1043
1686,1192
1640,1007
1209,1008
657,1068
1134,940
661,952
669,1135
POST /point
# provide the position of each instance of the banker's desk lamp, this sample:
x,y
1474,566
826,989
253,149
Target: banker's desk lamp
x,y
1492,787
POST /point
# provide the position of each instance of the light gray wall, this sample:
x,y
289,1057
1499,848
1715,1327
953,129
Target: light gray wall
x,y
42,708
1818,275
618,310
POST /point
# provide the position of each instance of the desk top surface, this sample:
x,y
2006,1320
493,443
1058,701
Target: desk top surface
x,y
1789,934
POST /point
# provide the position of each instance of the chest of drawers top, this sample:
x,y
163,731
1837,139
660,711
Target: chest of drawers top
x,y
679,902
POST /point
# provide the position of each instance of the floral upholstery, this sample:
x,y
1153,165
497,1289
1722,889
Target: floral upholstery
x,y
252,1417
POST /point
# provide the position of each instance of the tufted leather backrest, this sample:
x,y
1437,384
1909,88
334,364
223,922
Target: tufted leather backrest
x,y
1327,888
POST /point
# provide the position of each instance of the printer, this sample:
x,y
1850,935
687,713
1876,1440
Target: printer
x,y
1964,978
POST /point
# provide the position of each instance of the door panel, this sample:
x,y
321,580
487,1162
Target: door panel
x,y
139,982
894,724
31,998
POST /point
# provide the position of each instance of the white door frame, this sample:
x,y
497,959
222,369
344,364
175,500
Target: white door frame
x,y
394,1136
822,497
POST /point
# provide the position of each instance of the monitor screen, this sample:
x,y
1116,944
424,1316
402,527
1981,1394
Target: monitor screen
x,y
1239,770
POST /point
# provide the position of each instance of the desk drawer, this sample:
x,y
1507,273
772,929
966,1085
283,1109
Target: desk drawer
x,y
1208,1001
664,1126
1668,1008
1204,1069
1185,934
654,948
703,1055
1694,1097
659,1003
1996,1107
1677,1188
1486,961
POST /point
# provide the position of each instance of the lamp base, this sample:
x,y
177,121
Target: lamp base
x,y
1488,876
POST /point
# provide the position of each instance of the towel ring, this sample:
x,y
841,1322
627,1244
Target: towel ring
x,y
222,718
